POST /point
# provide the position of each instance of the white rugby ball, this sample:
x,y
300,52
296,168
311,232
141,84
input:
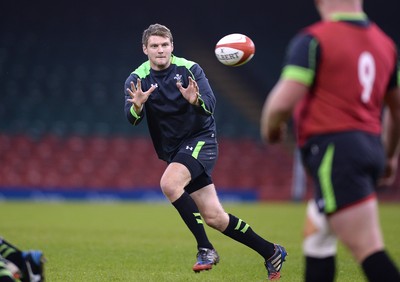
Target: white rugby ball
x,y
235,49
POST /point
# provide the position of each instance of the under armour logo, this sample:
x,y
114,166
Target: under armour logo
x,y
155,84
189,148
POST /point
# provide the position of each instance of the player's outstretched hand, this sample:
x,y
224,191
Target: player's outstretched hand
x,y
191,93
138,97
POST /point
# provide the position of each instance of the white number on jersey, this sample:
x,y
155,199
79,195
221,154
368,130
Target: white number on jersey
x,y
366,75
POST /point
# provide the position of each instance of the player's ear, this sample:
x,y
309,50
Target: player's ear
x,y
144,48
172,46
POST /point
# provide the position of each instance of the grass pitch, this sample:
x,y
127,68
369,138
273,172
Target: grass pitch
x,y
148,241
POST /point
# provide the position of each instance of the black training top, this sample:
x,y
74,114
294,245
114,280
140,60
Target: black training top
x,y
171,119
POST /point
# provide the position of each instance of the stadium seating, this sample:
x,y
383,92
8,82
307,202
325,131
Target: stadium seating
x,y
124,163
129,163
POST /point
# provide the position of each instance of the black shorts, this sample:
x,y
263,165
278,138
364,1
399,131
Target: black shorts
x,y
199,156
345,167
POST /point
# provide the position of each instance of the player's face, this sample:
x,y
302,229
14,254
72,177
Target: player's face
x,y
159,50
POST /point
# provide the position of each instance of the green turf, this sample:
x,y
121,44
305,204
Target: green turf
x,y
148,241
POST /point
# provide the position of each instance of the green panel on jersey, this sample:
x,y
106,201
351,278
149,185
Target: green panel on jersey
x,y
135,115
181,62
143,70
348,16
299,74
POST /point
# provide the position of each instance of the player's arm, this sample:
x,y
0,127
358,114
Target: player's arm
x,y
135,99
278,108
391,130
133,117
206,97
296,78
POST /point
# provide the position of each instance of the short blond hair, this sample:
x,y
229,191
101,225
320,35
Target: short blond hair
x,y
158,30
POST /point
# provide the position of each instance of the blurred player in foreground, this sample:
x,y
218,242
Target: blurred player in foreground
x,y
176,98
339,74
17,265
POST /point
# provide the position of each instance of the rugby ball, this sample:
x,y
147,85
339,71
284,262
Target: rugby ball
x,y
235,49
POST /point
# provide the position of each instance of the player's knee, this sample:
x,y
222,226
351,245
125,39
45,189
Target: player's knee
x,y
211,219
170,189
318,241
214,219
165,187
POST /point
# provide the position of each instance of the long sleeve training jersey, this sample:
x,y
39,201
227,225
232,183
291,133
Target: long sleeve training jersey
x,y
171,119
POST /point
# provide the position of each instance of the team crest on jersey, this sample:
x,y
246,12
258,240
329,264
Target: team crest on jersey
x,y
178,78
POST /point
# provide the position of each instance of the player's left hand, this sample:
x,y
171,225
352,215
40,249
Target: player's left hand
x,y
279,134
389,174
190,93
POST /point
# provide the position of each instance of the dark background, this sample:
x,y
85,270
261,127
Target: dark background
x,y
84,50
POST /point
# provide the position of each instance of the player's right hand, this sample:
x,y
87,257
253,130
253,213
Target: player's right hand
x,y
138,97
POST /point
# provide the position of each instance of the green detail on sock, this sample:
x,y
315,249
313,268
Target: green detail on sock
x,y
238,224
6,251
244,229
198,217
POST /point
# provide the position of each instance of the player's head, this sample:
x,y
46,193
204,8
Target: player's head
x,y
158,45
158,30
328,7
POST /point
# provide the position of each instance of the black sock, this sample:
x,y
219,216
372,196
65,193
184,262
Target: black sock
x,y
379,267
242,232
191,216
6,246
320,269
